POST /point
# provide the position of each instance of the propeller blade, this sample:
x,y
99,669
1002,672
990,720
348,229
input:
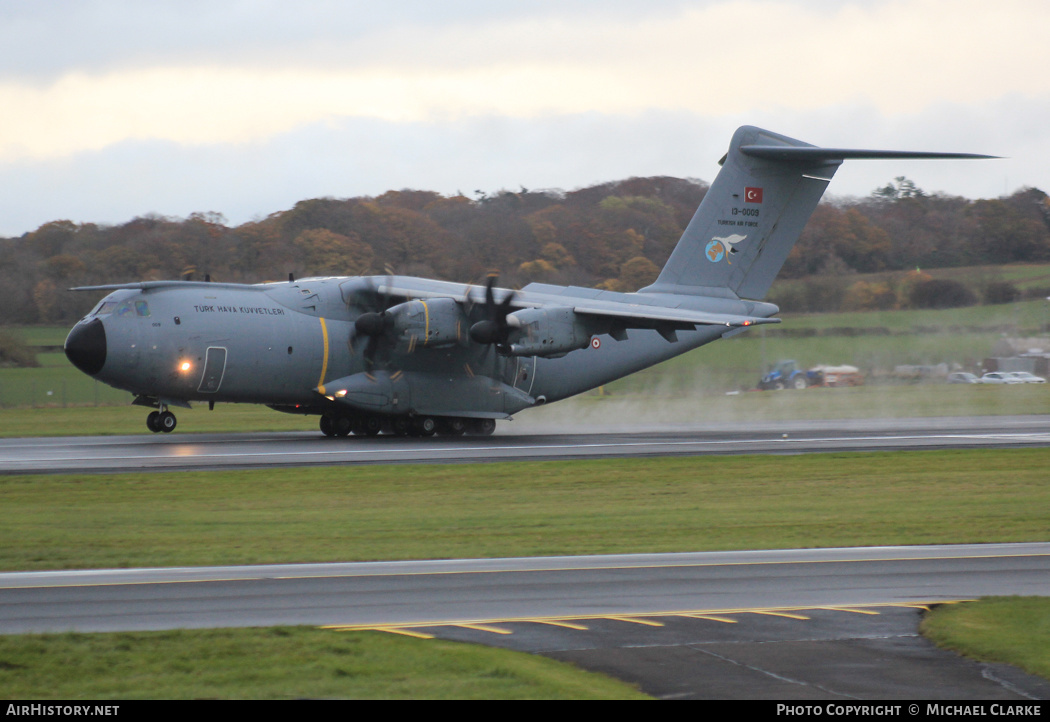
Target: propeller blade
x,y
494,329
490,296
370,353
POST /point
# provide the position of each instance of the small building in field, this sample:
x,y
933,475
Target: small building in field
x,y
1020,354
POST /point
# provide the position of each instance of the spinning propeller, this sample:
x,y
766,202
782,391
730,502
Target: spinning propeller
x,y
494,329
372,323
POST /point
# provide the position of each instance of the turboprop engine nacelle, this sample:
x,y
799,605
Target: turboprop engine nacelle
x,y
437,322
547,331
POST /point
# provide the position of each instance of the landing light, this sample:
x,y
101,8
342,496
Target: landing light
x,y
185,366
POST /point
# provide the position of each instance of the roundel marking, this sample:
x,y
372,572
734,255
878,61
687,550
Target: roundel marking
x,y
596,342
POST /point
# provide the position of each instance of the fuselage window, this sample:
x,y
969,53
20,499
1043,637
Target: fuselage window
x,y
105,307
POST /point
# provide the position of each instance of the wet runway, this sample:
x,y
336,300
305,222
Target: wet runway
x,y
259,450
407,594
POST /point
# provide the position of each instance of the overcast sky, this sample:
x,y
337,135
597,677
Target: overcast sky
x,y
112,110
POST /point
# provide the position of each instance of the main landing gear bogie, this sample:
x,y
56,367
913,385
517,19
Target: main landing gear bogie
x,y
159,421
424,426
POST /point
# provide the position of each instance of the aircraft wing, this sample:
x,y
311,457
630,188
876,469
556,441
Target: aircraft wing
x,y
632,311
645,316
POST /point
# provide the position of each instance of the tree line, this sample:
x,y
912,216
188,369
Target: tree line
x,y
614,235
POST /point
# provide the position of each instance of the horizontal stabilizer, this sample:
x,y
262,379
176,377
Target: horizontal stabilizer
x,y
823,155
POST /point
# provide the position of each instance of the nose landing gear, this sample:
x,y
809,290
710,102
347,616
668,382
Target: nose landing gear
x,y
162,420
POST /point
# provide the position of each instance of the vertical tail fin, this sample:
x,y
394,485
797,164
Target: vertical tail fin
x,y
754,212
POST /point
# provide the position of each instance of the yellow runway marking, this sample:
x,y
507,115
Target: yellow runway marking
x,y
635,620
485,628
567,625
781,614
849,609
646,618
405,632
710,618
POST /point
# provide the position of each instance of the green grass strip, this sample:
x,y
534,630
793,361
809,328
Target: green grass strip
x,y
1009,630
282,663
350,513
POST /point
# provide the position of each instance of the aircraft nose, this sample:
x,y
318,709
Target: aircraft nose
x,y
86,346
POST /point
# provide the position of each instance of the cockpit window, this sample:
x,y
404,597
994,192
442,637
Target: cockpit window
x,y
122,308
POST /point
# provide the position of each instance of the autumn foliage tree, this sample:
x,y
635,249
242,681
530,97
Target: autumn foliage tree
x,y
614,235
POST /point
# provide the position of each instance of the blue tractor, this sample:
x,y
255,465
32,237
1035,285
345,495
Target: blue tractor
x,y
787,375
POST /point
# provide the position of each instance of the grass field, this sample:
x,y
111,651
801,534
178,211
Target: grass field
x,y
1010,630
282,663
521,509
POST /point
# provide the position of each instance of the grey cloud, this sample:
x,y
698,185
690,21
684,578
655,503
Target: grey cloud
x,y
45,40
352,157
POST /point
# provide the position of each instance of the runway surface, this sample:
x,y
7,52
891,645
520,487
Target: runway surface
x,y
406,594
725,622
257,450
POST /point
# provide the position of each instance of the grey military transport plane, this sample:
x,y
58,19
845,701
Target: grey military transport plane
x,y
416,356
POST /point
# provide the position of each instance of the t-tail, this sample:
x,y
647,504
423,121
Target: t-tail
x,y
754,212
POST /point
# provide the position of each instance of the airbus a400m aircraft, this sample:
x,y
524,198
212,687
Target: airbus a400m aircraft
x,y
417,356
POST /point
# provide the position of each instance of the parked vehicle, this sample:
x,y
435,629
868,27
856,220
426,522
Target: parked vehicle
x,y
999,377
1025,377
961,377
787,375
841,375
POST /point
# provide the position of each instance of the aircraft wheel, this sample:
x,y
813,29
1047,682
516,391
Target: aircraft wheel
x,y
153,421
328,426
373,425
400,426
425,426
451,427
482,427
166,421
340,426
